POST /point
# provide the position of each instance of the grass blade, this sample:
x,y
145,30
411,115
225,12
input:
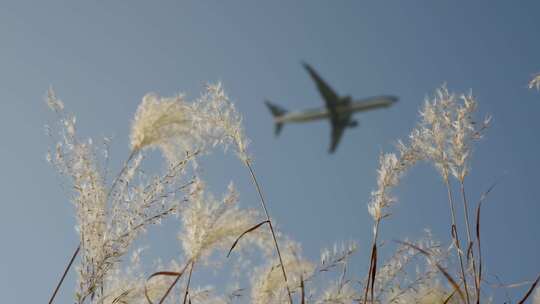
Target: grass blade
x,y
529,292
478,241
303,290
165,273
159,273
439,267
246,232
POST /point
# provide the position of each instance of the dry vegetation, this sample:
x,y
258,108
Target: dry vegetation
x,y
215,231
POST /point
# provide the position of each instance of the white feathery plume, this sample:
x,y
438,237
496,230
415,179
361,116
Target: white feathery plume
x,y
339,293
339,254
444,137
164,123
391,169
205,295
393,278
129,285
431,292
219,118
175,126
535,83
53,102
536,298
108,220
447,131
268,286
210,224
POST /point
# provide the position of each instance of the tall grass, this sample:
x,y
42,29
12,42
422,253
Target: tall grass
x,y
215,231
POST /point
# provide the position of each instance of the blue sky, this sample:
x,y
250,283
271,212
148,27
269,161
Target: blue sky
x,y
103,56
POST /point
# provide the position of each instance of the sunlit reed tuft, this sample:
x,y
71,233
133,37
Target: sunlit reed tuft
x,y
217,234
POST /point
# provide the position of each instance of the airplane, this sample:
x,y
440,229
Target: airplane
x,y
338,110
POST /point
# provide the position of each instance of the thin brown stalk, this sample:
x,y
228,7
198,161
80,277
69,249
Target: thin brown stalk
x,y
449,297
302,290
455,237
370,280
159,273
188,282
466,209
478,208
255,227
479,247
174,283
470,249
263,204
439,267
373,272
117,178
65,273
529,292
343,275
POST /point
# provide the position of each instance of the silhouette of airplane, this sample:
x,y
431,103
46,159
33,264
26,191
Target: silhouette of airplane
x,y
338,109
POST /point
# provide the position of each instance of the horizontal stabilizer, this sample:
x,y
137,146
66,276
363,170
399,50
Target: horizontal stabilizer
x,y
276,111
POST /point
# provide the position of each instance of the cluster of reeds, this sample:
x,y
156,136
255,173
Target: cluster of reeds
x,y
113,212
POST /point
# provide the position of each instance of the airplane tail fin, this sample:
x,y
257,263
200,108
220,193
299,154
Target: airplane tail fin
x,y
277,111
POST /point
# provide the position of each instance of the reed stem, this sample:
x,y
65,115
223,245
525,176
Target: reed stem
x,y
263,204
370,280
470,241
65,273
455,237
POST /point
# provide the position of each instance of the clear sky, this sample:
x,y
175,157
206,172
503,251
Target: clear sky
x,y
103,56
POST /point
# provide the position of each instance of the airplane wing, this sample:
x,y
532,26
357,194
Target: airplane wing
x,y
375,102
330,97
337,132
338,120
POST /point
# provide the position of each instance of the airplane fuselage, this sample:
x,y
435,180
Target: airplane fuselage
x,y
338,110
323,112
